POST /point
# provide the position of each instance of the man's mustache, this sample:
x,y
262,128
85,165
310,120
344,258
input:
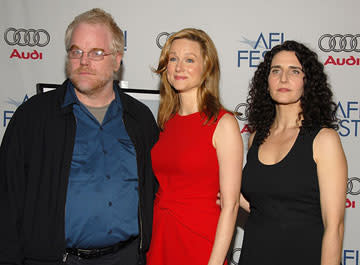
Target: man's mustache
x,y
84,69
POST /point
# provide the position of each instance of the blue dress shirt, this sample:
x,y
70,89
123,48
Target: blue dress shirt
x,y
102,196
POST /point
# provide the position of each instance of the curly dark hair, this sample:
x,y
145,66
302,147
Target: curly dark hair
x,y
318,108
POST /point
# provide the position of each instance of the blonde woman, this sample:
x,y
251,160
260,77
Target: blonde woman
x,y
199,152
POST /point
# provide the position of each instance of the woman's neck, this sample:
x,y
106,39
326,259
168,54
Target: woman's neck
x,y
188,103
287,116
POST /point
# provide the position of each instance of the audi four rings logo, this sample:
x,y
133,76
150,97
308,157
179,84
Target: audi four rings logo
x,y
27,37
339,43
235,256
240,111
162,38
353,186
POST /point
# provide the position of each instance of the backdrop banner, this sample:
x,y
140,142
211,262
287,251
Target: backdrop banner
x,y
32,51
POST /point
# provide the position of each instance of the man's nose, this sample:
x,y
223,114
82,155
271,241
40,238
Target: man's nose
x,y
84,59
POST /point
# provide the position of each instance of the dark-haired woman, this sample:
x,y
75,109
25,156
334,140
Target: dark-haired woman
x,y
294,182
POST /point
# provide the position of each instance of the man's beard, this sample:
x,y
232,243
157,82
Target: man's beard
x,y
89,89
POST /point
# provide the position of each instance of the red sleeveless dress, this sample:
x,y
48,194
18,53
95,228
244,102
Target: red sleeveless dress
x,y
185,210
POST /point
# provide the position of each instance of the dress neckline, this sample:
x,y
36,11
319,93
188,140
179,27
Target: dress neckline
x,y
187,115
284,158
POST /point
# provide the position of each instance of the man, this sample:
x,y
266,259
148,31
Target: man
x,y
76,179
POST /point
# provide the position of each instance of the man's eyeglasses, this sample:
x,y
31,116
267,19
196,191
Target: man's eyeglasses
x,y
95,54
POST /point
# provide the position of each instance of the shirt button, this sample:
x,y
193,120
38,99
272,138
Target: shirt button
x,y
110,203
105,152
107,176
101,128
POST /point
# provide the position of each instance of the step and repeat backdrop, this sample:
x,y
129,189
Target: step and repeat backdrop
x,y
32,52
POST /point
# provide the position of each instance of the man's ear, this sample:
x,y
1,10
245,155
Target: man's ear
x,y
118,58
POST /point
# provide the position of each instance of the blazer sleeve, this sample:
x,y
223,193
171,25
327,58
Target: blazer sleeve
x,y
12,178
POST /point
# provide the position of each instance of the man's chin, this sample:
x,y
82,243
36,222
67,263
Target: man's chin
x,y
88,86
83,85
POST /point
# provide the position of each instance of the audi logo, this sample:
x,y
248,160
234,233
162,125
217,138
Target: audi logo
x,y
353,186
162,38
339,43
240,111
235,256
27,37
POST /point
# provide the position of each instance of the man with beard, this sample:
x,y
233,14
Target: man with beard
x,y
76,183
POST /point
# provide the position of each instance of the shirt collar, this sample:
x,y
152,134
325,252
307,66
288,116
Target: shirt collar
x,y
70,96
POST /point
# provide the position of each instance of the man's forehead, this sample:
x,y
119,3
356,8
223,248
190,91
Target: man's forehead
x,y
90,32
91,27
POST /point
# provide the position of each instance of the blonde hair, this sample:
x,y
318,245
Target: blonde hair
x,y
208,93
98,16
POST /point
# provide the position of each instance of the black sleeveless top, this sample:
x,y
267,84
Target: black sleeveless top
x,y
285,224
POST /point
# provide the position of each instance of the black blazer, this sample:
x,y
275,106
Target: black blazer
x,y
35,158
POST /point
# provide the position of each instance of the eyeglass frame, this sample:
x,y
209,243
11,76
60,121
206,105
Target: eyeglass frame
x,y
75,48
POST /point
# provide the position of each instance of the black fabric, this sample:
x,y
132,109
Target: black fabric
x,y
35,157
285,224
